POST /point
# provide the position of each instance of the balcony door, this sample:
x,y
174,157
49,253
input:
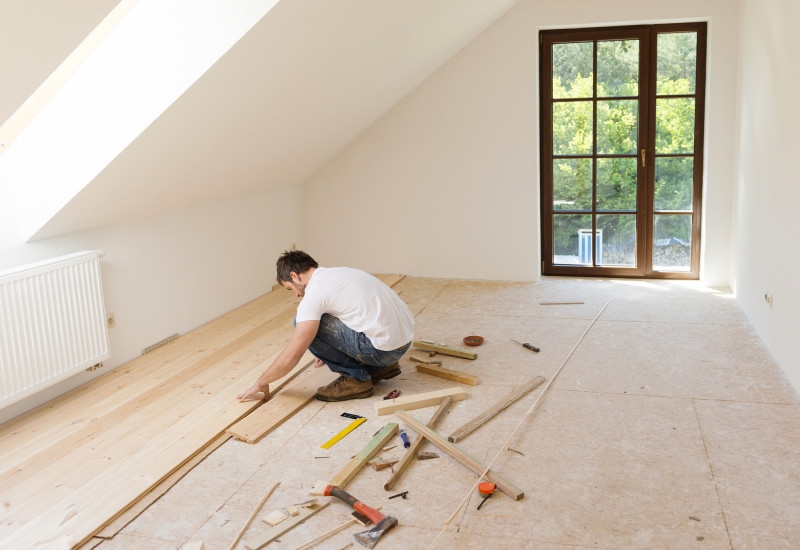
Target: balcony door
x,y
622,142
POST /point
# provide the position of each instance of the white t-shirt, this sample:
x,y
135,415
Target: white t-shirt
x,y
362,302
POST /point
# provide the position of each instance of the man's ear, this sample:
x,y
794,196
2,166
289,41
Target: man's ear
x,y
295,278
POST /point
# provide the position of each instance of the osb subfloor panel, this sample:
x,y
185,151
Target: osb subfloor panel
x,y
670,426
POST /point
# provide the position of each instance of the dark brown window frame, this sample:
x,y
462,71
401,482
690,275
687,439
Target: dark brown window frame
x,y
647,34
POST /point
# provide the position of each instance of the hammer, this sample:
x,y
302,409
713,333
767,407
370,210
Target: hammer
x,y
368,538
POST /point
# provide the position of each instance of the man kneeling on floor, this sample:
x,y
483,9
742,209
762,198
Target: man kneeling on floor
x,y
349,320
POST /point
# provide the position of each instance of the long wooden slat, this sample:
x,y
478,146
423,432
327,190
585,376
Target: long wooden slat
x,y
411,452
494,410
419,400
358,462
450,374
445,350
460,455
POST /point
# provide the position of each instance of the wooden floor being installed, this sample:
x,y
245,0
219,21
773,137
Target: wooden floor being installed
x,y
669,426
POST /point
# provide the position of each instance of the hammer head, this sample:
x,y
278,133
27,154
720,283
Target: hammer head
x,y
370,537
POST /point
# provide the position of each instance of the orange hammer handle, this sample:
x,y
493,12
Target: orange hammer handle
x,y
335,491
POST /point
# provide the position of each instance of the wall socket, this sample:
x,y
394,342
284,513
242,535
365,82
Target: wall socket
x,y
294,247
111,320
768,298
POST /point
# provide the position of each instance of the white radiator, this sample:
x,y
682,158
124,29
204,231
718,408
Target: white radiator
x,y
52,323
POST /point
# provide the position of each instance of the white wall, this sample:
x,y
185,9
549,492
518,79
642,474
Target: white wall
x,y
446,184
767,248
175,272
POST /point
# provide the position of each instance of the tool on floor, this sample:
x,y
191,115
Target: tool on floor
x,y
412,358
353,425
526,345
486,490
403,494
351,415
392,394
404,437
370,537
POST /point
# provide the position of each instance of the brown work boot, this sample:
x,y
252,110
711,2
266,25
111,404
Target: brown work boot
x,y
344,388
385,372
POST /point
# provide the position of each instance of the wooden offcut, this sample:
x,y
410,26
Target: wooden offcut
x,y
272,533
444,350
418,401
450,374
461,456
494,410
360,460
275,517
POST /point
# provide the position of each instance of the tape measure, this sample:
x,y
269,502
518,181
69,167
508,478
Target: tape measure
x,y
486,490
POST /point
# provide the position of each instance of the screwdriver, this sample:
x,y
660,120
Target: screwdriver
x,y
526,345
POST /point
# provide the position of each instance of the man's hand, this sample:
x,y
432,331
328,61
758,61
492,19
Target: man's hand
x,y
318,363
251,393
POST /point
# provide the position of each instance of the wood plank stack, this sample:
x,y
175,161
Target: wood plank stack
x,y
72,466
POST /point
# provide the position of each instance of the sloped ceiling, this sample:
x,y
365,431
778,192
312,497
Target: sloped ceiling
x,y
306,80
36,36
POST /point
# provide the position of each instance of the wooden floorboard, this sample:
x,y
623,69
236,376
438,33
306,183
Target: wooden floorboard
x,y
72,466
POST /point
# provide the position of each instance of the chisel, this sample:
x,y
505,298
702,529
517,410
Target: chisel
x,y
526,345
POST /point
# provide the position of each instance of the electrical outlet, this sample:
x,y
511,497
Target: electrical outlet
x,y
294,247
768,298
111,320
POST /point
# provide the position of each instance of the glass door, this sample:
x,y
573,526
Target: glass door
x,y
620,193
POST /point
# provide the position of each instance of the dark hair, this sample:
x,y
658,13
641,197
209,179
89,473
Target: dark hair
x,y
297,261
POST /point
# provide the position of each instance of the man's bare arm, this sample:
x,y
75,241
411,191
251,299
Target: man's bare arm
x,y
303,335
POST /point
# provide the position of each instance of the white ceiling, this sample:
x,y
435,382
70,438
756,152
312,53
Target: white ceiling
x,y
295,90
36,36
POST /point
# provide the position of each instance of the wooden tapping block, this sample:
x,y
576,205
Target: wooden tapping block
x,y
495,409
360,460
461,456
426,455
383,464
418,401
272,533
450,374
416,444
275,517
293,511
444,350
417,360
